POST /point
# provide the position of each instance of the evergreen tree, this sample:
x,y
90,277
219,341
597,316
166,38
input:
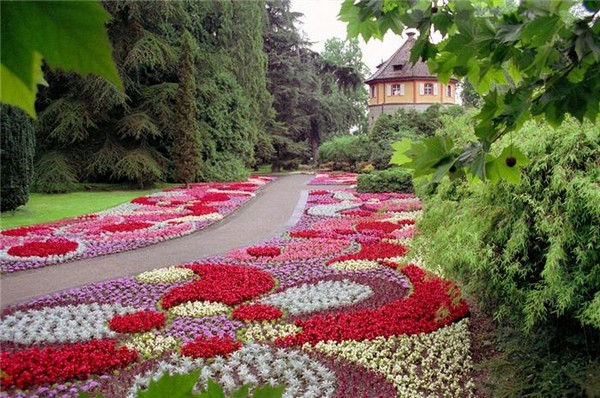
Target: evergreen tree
x,y
17,146
185,151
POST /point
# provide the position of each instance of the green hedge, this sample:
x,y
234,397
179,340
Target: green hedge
x,y
391,180
529,254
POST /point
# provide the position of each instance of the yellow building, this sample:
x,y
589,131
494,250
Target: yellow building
x,y
399,84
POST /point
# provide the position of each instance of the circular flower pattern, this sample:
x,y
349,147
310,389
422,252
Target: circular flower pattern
x,y
46,248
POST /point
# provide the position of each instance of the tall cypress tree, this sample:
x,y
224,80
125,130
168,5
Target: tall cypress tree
x,y
185,151
16,157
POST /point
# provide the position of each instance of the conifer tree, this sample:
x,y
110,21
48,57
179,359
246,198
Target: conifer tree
x,y
17,148
185,151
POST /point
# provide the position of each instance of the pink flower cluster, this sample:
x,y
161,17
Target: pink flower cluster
x,y
143,221
333,178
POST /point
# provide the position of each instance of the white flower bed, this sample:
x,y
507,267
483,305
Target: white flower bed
x,y
420,365
70,323
331,210
166,275
342,195
151,345
200,309
355,265
318,297
266,331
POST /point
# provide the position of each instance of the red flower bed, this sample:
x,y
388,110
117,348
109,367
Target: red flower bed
x,y
257,312
203,347
320,193
144,200
126,226
54,247
215,197
264,251
373,251
200,209
406,222
358,213
228,284
48,365
137,322
383,226
429,307
307,233
24,231
344,231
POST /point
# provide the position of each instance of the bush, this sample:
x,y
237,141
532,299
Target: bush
x,y
54,173
392,180
17,146
224,168
345,149
528,252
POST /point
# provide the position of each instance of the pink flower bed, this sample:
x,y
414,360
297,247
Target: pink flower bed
x,y
329,307
143,221
333,178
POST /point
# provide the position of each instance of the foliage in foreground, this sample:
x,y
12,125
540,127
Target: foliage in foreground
x,y
182,386
395,179
17,146
530,58
529,253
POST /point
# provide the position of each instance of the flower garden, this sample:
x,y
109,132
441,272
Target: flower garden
x,y
333,178
141,222
329,309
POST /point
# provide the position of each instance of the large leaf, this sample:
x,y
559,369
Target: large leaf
x,y
14,91
69,35
399,156
502,168
172,386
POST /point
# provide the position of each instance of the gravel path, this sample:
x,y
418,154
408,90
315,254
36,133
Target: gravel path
x,y
276,206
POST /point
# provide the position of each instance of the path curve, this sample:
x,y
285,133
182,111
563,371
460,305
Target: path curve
x,y
276,206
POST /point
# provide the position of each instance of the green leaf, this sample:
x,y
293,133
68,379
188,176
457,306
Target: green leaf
x,y
497,169
172,386
69,35
241,392
269,392
399,156
14,91
540,30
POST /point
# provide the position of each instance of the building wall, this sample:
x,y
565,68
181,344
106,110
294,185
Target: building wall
x,y
412,93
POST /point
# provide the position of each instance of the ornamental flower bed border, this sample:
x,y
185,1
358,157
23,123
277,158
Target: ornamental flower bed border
x,y
143,221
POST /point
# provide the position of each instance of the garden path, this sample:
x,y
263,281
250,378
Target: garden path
x,y
277,206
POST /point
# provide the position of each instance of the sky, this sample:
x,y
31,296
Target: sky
x,y
320,22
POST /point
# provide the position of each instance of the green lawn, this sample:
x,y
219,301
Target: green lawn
x,y
50,207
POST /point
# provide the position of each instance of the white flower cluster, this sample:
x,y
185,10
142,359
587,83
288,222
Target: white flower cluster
x,y
355,265
200,309
70,323
203,217
331,210
165,275
404,215
174,365
257,364
231,192
267,331
343,195
151,345
423,365
320,296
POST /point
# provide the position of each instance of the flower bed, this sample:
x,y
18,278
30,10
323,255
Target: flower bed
x,y
143,221
329,309
333,178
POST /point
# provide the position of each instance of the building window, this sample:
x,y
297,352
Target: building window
x,y
398,67
397,89
428,89
373,91
449,91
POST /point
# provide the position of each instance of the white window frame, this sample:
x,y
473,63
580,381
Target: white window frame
x,y
429,89
397,89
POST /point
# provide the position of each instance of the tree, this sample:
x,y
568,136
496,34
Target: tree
x,y
185,151
469,96
539,58
17,149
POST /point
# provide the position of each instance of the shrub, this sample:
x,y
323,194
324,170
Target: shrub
x,y
392,180
528,252
345,149
224,168
17,148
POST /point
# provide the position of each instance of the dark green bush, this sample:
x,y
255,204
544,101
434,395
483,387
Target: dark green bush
x,y
349,149
392,180
224,168
54,173
17,146
529,253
